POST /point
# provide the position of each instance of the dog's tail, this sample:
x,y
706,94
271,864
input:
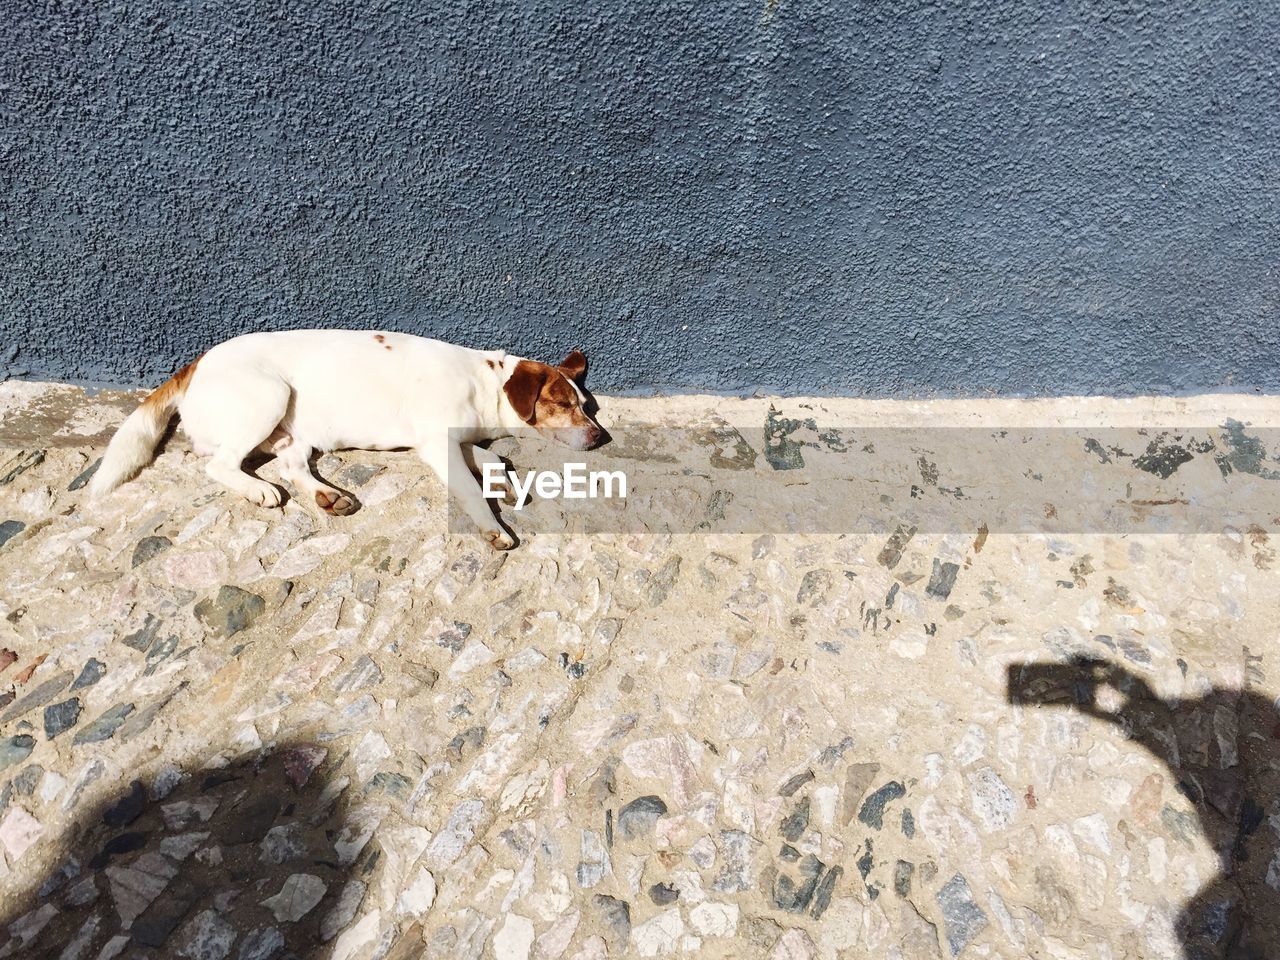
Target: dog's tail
x,y
135,442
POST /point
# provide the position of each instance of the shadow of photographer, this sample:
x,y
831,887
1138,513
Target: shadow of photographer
x,y
253,861
1222,749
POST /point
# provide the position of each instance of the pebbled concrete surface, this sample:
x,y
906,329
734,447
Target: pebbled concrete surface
x,y
228,732
819,197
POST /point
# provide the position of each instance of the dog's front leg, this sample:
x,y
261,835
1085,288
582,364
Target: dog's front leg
x,y
446,459
482,459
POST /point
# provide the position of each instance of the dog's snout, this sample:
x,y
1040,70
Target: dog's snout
x,y
582,437
596,435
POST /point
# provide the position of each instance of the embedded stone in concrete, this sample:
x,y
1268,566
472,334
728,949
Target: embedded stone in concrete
x,y
136,886
942,580
27,927
156,924
660,935
638,817
514,938
891,554
139,721
794,826
794,892
902,873
858,777
616,915
872,812
822,896
207,937
18,831
794,944
364,672
282,843
85,475
343,910
264,943
105,726
663,894
38,697
964,918
300,893
358,474
15,749
418,895
148,548
714,919
10,529
60,717
301,761
795,783
231,611
92,671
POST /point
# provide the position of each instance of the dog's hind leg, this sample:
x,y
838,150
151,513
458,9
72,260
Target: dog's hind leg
x,y
294,458
232,415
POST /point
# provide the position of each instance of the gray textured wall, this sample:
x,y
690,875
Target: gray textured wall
x,y
886,199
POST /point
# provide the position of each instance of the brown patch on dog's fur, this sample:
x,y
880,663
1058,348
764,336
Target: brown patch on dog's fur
x,y
574,365
542,394
492,365
382,340
524,386
172,390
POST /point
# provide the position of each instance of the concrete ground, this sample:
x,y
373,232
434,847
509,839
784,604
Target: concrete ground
x,y
244,733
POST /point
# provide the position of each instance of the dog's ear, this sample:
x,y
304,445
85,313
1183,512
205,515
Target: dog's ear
x,y
523,386
574,365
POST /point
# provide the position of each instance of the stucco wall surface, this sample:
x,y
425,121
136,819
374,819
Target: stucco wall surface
x,y
806,197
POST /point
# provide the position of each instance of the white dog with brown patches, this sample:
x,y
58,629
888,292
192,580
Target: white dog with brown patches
x,y
295,392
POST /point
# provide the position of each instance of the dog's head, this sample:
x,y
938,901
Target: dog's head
x,y
550,400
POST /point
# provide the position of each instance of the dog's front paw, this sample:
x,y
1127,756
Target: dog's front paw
x,y
499,539
505,493
266,495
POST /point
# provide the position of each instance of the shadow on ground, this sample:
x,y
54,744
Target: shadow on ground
x,y
1222,750
249,861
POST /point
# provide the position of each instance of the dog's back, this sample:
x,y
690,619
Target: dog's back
x,y
326,388
347,388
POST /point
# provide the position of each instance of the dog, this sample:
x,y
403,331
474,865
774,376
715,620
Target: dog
x,y
292,393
